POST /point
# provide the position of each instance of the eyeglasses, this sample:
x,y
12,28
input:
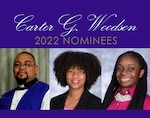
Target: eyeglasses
x,y
18,65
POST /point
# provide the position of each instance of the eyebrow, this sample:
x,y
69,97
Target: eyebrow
x,y
20,62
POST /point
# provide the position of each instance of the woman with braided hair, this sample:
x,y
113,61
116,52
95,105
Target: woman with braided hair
x,y
128,87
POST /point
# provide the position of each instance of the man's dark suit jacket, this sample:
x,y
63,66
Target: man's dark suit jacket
x,y
87,101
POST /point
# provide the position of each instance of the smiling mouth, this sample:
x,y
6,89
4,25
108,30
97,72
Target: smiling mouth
x,y
125,80
75,81
21,73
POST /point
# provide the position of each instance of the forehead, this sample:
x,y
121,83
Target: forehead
x,y
128,59
24,57
75,66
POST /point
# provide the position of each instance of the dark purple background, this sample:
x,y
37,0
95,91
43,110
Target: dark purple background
x,y
135,13
75,114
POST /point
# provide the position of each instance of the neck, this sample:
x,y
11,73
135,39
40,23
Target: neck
x,y
73,98
75,93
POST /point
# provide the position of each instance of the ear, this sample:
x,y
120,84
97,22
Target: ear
x,y
141,73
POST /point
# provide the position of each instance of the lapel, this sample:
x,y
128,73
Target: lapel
x,y
83,103
84,100
62,100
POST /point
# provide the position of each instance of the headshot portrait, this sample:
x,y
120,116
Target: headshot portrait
x,y
125,79
74,74
24,81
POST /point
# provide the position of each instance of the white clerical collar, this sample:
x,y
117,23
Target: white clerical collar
x,y
21,85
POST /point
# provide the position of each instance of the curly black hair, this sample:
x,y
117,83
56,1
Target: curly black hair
x,y
85,61
141,87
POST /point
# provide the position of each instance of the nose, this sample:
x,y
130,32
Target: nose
x,y
75,73
22,66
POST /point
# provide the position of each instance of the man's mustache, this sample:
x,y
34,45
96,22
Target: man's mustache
x,y
21,75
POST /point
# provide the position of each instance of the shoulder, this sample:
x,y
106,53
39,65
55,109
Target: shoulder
x,y
57,102
39,88
59,97
147,99
147,102
40,85
8,93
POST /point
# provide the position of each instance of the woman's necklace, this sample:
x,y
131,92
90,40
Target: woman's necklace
x,y
123,98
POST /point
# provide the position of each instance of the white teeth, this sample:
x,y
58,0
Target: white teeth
x,y
125,79
75,81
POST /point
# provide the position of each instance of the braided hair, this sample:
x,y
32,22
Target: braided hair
x,y
141,87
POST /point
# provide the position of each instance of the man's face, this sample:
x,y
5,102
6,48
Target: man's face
x,y
25,67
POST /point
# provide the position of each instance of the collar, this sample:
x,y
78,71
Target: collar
x,y
123,98
130,91
126,96
26,85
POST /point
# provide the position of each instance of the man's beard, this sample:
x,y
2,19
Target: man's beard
x,y
21,81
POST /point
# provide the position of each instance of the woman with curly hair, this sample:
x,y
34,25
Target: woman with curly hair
x,y
128,87
79,71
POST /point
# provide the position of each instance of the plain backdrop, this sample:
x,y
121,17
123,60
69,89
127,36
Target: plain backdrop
x,y
107,57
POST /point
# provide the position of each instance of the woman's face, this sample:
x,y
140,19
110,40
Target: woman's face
x,y
128,72
76,77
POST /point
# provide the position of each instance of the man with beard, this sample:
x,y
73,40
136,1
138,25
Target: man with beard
x,y
30,93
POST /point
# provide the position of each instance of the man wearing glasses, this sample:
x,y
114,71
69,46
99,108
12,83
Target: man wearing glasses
x,y
30,93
